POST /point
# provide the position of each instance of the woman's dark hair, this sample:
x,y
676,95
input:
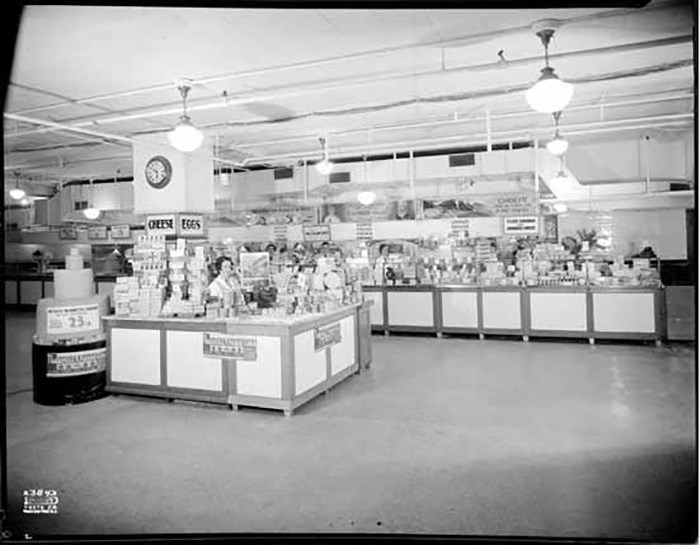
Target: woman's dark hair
x,y
382,246
274,248
220,261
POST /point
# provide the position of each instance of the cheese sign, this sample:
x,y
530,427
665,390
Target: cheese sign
x,y
222,345
317,233
190,225
327,336
520,225
72,364
74,319
163,224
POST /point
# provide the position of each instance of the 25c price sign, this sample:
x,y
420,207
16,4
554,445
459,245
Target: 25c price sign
x,y
74,319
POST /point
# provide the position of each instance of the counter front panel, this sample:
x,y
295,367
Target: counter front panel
x,y
624,312
310,365
558,311
410,308
134,356
187,366
460,309
261,377
501,310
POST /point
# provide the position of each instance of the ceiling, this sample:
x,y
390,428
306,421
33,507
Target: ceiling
x,y
266,83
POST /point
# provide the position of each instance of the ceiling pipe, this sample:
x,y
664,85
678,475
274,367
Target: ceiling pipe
x,y
315,87
469,118
341,58
64,127
577,129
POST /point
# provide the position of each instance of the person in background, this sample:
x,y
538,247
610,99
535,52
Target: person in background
x,y
225,283
299,255
403,211
331,217
271,250
325,249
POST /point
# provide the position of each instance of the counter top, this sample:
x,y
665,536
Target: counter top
x,y
269,320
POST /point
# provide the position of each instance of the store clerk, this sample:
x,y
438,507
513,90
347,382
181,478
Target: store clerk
x,y
225,282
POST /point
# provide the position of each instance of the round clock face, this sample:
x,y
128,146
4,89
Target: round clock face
x,y
158,172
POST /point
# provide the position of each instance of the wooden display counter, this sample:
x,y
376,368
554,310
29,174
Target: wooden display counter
x,y
259,361
576,312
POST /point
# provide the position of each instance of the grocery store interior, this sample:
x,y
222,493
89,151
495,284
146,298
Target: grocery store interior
x,y
426,271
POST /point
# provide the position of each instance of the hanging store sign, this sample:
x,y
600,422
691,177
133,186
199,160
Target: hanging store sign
x,y
222,345
364,231
317,233
74,319
72,364
68,233
523,225
97,233
327,336
190,225
163,224
120,231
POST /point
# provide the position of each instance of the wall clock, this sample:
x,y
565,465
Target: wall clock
x,y
159,171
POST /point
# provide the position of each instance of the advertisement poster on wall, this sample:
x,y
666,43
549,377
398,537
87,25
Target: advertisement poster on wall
x,y
359,213
503,205
283,216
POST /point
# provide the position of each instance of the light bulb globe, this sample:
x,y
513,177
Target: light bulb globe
x,y
549,94
185,137
366,197
560,208
557,146
324,167
91,213
17,193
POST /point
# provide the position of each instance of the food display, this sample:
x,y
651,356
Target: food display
x,y
493,262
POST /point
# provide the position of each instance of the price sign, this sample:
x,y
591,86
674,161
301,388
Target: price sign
x,y
75,319
97,233
71,364
68,233
327,336
317,233
222,345
279,233
120,231
521,225
364,231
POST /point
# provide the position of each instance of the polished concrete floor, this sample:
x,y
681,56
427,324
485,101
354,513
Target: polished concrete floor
x,y
440,437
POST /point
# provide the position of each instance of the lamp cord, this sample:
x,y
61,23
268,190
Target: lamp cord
x,y
183,92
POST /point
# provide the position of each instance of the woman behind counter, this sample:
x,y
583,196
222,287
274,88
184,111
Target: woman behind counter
x,y
225,283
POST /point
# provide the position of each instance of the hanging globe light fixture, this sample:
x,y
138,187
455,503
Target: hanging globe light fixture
x,y
549,93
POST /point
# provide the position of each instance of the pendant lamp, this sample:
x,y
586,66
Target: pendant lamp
x,y
557,145
549,94
185,137
325,166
